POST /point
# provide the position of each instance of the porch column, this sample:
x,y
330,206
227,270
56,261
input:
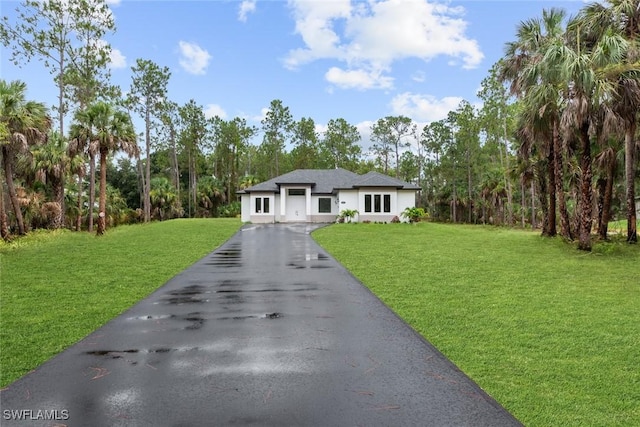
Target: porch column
x,y
283,204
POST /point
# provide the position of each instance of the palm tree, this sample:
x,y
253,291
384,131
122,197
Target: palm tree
x,y
52,161
606,162
210,195
111,130
585,65
25,123
248,181
623,18
80,147
536,79
163,198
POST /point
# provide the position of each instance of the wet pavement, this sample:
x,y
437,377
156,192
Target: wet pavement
x,y
268,330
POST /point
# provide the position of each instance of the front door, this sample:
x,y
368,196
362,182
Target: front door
x,y
296,205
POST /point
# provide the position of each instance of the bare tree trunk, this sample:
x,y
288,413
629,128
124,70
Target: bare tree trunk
x,y
79,217
92,189
147,180
4,227
11,189
469,192
194,184
586,198
523,202
565,227
544,202
175,176
506,176
605,216
58,189
102,215
454,203
630,173
534,223
550,230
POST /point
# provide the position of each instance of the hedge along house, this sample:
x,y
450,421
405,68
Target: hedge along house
x,y
319,195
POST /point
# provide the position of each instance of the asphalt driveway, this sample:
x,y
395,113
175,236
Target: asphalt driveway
x,y
266,330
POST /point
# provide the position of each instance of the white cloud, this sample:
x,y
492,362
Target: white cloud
x,y
117,59
423,108
364,128
262,116
193,59
213,110
377,33
246,7
358,79
113,2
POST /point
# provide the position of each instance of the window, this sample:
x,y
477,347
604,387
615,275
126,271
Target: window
x,y
297,192
381,203
262,205
324,205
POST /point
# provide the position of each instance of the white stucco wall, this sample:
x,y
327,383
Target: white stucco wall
x,y
348,200
316,215
345,199
406,199
262,217
283,201
245,203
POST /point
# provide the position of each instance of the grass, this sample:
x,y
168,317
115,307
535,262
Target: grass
x,y
57,287
619,227
549,331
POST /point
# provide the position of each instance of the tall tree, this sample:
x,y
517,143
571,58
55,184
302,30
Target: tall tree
x,y
584,71
467,139
52,160
276,127
388,134
147,96
535,78
623,18
306,141
193,135
497,121
341,143
435,139
67,35
52,31
80,145
24,123
169,118
111,132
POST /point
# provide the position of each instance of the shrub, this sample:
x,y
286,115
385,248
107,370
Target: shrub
x,y
414,214
348,214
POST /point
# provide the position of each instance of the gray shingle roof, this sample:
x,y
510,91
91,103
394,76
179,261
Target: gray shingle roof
x,y
325,181
377,179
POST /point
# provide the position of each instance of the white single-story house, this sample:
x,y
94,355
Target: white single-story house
x,y
319,195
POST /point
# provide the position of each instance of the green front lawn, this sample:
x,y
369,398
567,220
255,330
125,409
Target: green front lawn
x,y
57,287
552,333
549,331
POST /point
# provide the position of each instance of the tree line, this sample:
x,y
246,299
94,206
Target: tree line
x,y
554,144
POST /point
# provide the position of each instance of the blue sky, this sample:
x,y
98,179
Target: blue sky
x,y
325,59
